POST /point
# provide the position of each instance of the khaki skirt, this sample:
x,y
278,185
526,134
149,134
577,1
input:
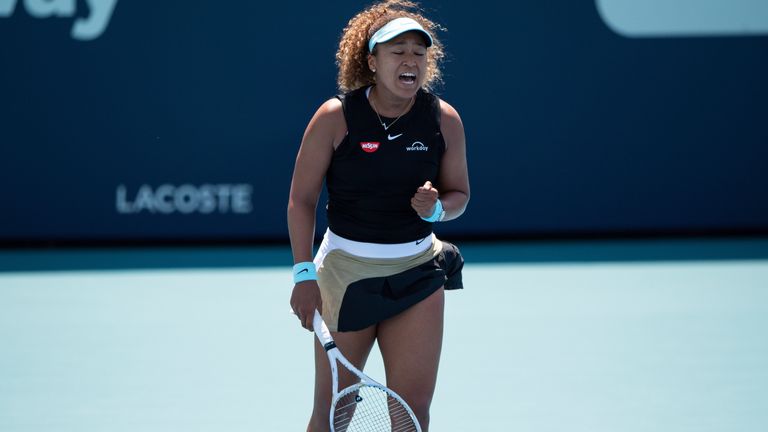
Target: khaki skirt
x,y
358,292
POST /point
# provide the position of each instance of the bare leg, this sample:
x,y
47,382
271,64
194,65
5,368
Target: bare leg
x,y
410,345
355,346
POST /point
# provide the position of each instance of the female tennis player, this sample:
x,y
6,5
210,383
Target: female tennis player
x,y
392,155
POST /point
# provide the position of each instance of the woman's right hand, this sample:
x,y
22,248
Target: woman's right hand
x,y
304,300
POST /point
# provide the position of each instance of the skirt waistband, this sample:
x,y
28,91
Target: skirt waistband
x,y
332,241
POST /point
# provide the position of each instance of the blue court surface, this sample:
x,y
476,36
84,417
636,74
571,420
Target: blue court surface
x,y
545,337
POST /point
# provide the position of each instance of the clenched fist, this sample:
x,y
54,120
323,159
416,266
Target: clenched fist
x,y
424,200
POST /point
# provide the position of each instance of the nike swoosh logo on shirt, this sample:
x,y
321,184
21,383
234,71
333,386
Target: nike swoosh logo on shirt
x,y
390,137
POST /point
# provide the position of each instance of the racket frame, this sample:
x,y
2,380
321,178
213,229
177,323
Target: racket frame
x,y
334,356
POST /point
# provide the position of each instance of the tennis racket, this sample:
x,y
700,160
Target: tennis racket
x,y
366,406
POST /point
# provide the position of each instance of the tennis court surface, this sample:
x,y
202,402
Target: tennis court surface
x,y
557,336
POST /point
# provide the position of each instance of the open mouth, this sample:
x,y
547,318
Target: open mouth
x,y
407,78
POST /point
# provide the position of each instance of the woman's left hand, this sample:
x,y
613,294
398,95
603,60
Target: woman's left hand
x,y
424,200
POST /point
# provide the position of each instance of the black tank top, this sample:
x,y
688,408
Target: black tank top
x,y
374,173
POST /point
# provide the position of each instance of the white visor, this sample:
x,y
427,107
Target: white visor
x,y
395,28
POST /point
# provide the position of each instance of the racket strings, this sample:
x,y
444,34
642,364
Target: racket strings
x,y
371,409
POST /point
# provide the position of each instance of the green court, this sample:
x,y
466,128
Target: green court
x,y
546,336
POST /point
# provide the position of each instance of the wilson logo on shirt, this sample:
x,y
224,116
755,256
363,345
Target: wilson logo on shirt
x,y
369,147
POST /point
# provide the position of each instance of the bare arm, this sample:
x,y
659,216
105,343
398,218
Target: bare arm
x,y
324,132
454,176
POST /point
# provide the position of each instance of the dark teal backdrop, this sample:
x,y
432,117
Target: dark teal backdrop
x,y
179,120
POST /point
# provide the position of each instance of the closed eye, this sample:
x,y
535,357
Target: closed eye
x,y
420,54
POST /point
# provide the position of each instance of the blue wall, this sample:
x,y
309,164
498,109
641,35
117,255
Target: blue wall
x,y
181,119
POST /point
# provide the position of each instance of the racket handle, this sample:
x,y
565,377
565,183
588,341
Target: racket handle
x,y
322,332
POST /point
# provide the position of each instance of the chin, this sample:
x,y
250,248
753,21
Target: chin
x,y
406,91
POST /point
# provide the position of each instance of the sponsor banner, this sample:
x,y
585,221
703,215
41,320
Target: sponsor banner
x,y
168,199
181,120
685,18
89,19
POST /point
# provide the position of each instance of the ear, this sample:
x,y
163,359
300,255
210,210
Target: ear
x,y
372,63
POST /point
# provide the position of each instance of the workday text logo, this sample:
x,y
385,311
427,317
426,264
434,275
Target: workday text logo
x,y
87,25
417,146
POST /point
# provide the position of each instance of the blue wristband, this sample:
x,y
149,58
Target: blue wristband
x,y
304,271
438,214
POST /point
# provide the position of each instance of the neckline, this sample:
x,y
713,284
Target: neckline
x,y
378,116
368,102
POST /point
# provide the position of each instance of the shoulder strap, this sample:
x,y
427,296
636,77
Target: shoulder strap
x,y
351,104
433,105
343,98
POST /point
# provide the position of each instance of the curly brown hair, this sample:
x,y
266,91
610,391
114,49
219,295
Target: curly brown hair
x,y
352,56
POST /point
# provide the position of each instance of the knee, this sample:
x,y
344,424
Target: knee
x,y
420,405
